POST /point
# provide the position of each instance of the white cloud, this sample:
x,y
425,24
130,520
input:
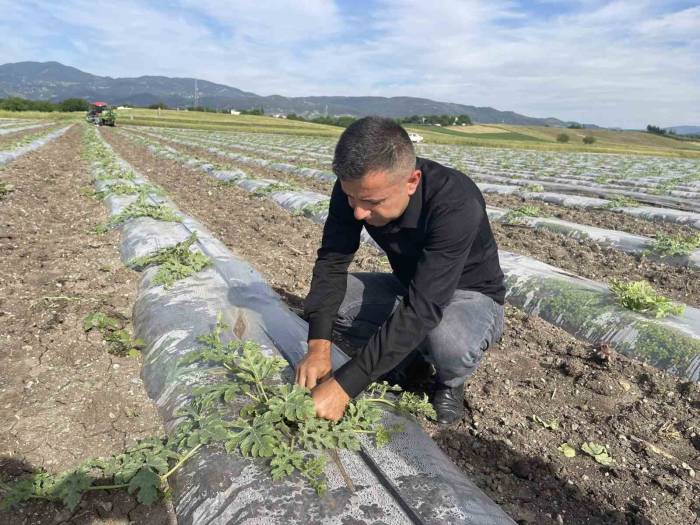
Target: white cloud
x,y
622,63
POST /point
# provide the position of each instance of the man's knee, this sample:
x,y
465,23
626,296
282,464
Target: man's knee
x,y
468,328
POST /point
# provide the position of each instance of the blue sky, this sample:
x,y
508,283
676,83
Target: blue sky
x,y
624,63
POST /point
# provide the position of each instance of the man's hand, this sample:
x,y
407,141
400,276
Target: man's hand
x,y
316,364
330,400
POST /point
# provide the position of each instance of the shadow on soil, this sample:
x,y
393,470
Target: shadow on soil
x,y
113,506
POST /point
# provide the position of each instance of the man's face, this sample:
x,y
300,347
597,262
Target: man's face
x,y
380,196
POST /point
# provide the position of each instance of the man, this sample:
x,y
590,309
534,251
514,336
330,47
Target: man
x,y
445,293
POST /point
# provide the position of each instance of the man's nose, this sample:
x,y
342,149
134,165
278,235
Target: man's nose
x,y
361,213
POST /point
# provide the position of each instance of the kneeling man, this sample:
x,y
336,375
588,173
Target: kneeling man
x,y
445,294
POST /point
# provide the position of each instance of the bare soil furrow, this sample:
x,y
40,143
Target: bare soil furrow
x,y
537,369
63,397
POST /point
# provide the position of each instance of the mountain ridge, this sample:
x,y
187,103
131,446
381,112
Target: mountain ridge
x,y
54,81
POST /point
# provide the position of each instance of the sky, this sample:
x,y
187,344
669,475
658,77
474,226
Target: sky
x,y
623,64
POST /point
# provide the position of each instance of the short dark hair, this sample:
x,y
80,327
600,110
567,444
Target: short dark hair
x,y
372,144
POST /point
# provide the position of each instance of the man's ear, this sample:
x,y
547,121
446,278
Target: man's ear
x,y
413,180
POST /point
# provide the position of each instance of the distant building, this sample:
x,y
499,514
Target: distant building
x,y
279,115
235,112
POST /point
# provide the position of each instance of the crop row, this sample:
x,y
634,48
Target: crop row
x,y
584,308
169,319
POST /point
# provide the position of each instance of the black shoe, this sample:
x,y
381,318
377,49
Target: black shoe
x,y
448,403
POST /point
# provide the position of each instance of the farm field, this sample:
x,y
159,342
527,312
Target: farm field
x,y
647,418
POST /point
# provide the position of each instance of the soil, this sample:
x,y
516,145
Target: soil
x,y
63,397
647,418
600,218
584,258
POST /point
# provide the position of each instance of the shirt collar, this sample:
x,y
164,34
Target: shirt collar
x,y
411,215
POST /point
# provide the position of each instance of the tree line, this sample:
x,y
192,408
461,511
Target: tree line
x,y
22,104
427,120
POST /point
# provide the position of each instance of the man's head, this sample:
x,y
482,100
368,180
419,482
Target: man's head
x,y
376,165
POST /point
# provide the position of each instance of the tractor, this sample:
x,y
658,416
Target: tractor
x,y
101,114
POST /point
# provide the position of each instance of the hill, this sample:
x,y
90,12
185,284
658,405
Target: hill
x,y
685,130
54,81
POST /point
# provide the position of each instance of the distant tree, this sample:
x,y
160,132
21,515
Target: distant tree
x,y
656,130
158,105
575,125
343,121
588,139
563,138
443,120
74,104
294,116
253,111
22,104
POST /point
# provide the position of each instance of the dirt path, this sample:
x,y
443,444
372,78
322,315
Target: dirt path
x,y
63,397
536,370
584,258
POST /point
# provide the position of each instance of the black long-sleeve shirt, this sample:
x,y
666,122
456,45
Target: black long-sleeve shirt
x,y
442,242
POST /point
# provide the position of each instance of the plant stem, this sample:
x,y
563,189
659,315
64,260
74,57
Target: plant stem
x,y
179,463
380,400
108,487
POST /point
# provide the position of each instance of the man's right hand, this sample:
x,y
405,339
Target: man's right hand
x,y
316,364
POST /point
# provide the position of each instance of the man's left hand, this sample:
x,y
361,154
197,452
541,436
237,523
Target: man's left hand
x,y
330,400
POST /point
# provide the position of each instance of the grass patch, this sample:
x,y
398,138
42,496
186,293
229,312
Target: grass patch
x,y
141,208
517,215
5,189
621,202
119,340
640,296
678,244
313,209
176,262
272,188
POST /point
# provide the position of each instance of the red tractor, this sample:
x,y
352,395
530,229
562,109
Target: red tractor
x,y
101,114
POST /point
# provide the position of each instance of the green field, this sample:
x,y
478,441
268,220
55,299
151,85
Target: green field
x,y
502,135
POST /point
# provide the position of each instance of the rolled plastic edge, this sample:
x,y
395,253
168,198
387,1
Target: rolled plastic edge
x,y
619,240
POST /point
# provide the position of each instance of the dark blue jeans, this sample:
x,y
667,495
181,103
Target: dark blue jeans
x,y
471,322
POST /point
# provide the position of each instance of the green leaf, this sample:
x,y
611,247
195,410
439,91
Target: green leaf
x,y
101,321
146,484
293,403
640,296
567,450
285,461
259,439
552,424
71,487
416,405
598,452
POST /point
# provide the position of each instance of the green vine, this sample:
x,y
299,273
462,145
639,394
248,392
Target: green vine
x,y
119,340
176,262
277,424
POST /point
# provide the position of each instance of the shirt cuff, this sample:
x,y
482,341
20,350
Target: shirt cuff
x,y
351,378
321,327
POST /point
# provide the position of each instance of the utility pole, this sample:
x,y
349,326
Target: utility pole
x,y
196,94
